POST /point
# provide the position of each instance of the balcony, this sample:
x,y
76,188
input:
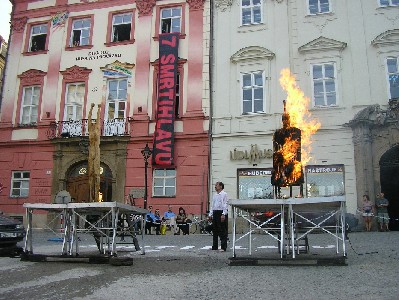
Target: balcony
x,y
79,128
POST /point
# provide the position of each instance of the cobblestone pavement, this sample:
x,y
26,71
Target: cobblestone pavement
x,y
183,267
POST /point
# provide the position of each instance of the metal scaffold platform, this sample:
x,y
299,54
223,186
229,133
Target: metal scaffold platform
x,y
103,226
289,223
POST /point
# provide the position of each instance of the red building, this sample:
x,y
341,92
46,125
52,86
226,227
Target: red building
x,y
64,57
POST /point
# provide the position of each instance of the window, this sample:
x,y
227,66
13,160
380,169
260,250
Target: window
x,y
38,38
324,85
170,20
389,2
121,27
252,85
116,100
164,183
251,12
80,35
318,6
20,184
30,104
393,76
75,94
114,123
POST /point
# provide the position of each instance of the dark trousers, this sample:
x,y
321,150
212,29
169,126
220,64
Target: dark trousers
x,y
219,230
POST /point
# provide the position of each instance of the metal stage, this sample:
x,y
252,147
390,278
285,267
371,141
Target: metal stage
x,y
289,224
104,226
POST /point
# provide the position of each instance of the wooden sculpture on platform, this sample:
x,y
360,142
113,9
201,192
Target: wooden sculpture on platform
x,y
94,154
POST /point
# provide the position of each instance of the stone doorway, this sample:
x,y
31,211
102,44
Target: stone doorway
x,y
78,183
389,178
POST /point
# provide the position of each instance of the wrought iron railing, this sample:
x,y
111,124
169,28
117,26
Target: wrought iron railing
x,y
79,128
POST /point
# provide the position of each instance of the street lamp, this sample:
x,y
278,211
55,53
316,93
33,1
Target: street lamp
x,y
146,155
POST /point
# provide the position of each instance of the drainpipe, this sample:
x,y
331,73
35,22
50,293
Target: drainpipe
x,y
211,63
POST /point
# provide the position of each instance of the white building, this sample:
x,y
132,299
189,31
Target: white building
x,y
344,56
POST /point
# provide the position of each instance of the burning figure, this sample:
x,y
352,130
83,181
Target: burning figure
x,y
287,166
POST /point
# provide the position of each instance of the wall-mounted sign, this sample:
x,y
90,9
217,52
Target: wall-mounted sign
x,y
325,180
253,155
254,183
93,55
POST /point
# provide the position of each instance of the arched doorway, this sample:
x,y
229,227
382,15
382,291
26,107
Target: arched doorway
x,y
78,182
389,178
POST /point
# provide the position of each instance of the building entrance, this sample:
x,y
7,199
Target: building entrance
x,y
78,183
389,178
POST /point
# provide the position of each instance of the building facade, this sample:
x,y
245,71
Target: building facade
x,y
69,55
344,57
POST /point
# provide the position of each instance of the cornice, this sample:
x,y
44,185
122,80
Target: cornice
x,y
251,53
389,37
32,76
321,44
76,73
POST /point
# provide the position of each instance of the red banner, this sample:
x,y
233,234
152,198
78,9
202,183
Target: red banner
x,y
163,150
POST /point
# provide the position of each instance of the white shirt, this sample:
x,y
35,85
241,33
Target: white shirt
x,y
219,202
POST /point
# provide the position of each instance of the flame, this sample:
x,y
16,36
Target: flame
x,y
297,108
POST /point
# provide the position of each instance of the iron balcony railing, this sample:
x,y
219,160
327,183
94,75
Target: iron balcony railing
x,y
78,128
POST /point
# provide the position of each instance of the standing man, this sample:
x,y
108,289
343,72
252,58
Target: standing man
x,y
381,204
218,214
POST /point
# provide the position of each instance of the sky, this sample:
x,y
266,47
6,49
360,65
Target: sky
x,y
5,10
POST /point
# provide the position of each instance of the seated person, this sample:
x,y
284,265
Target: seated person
x,y
157,222
150,218
153,220
170,218
181,221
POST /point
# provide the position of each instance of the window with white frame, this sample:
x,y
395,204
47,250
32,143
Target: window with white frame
x,y
389,2
393,76
80,35
20,184
170,20
252,92
121,27
318,6
38,37
324,84
251,12
117,97
75,94
164,183
30,104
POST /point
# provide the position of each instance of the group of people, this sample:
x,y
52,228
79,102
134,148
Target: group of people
x,y
380,209
177,222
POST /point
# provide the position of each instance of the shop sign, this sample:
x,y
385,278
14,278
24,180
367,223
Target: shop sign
x,y
253,155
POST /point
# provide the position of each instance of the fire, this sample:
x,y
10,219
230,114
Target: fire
x,y
300,117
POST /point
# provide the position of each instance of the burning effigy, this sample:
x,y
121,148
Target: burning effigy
x,y
291,143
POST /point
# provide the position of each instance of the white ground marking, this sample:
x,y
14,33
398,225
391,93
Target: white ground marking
x,y
68,274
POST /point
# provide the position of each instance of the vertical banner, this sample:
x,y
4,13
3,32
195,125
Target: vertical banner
x,y
163,153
